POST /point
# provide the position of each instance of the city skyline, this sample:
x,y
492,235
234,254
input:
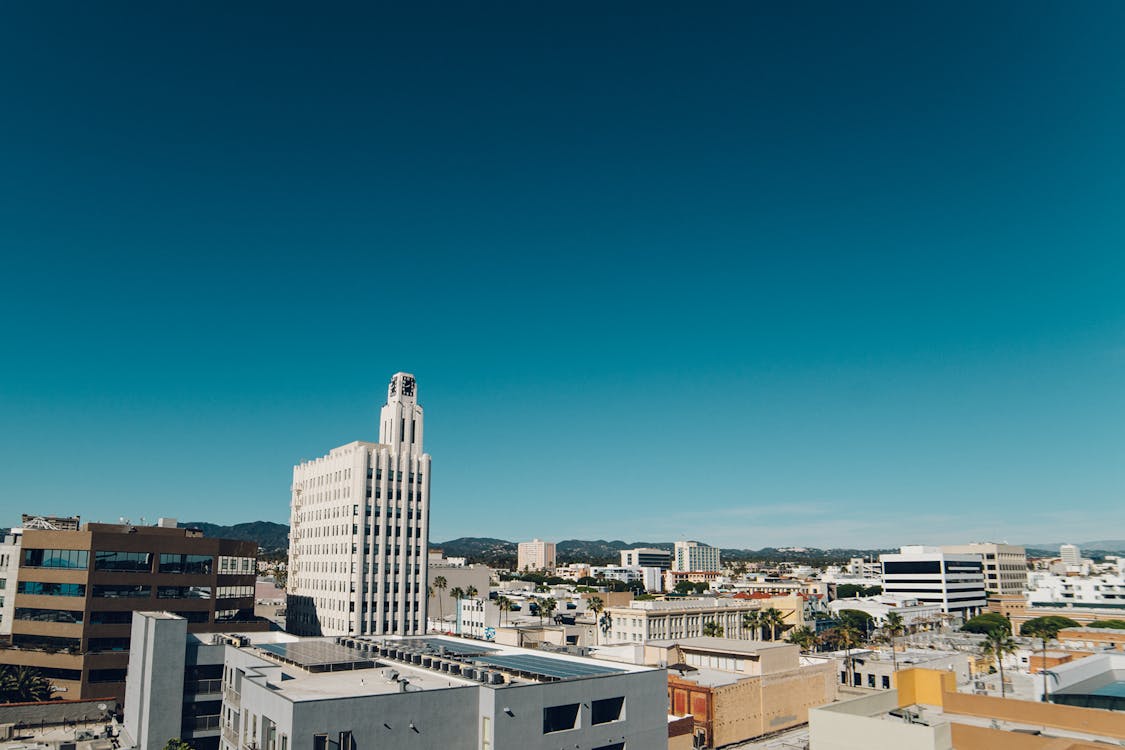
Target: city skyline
x,y
754,276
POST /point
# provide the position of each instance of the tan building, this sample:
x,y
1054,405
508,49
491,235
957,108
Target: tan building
x,y
1093,638
925,712
1005,565
737,690
1017,609
536,555
76,592
676,619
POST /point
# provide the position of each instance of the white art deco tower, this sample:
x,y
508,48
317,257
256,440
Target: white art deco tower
x,y
359,526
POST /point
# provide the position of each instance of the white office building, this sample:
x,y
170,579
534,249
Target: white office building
x,y
536,555
1086,591
646,557
956,582
1070,555
274,691
695,557
1005,565
359,529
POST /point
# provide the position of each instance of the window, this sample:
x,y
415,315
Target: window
x,y
192,564
75,559
607,710
111,618
110,591
614,746
870,680
37,588
886,682
134,562
560,718
48,615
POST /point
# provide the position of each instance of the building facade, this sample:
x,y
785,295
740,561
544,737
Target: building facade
x,y
686,618
287,693
646,557
956,582
695,556
1005,565
359,529
536,555
75,593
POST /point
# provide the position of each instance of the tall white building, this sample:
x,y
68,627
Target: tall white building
x,y
536,555
1070,554
360,522
955,582
694,556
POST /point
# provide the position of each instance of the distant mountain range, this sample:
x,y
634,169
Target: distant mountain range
x,y
270,536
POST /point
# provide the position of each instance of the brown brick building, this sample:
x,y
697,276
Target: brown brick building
x,y
76,591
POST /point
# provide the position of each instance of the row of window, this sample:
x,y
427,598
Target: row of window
x,y
565,717
43,588
127,562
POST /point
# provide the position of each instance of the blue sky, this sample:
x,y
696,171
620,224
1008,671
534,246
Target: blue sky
x,y
753,274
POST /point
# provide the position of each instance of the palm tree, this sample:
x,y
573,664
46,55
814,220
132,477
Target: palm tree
x,y
24,685
440,585
773,619
893,626
505,605
1046,629
595,605
547,608
753,622
471,592
803,637
712,629
848,637
998,644
456,593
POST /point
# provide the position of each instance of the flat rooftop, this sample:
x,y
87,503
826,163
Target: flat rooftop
x,y
727,645
318,668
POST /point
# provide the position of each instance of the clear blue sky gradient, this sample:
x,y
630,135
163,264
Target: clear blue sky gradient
x,y
756,274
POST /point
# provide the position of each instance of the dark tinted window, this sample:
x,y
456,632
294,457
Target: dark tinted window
x,y
921,566
605,711
560,718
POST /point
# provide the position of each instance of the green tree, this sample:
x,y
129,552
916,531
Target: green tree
x,y
471,592
547,608
440,584
858,619
595,604
847,637
177,744
1045,629
997,644
803,637
24,685
985,623
505,605
893,627
774,619
1114,624
712,629
752,621
456,593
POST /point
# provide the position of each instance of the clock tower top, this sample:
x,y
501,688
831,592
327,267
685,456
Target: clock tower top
x,y
400,421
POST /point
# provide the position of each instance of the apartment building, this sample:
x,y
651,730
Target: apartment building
x,y
360,520
1005,565
1085,591
279,692
686,618
536,555
955,581
9,569
691,556
75,593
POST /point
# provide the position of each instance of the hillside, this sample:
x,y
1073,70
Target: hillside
x,y
270,536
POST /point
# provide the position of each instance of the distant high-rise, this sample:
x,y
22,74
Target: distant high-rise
x,y
694,556
360,521
1070,554
1005,565
536,555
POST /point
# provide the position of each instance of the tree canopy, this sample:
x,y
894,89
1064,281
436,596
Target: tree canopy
x,y
851,590
1046,627
1114,624
986,623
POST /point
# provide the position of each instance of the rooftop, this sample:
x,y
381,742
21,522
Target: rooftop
x,y
729,645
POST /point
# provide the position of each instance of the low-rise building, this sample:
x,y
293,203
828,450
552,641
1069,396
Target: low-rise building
x,y
914,612
675,619
736,690
953,581
288,693
1093,638
1061,590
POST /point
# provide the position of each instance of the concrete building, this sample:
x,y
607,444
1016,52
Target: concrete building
x,y
75,593
1094,682
288,693
536,555
874,669
672,577
676,619
9,570
954,581
1005,565
646,557
1087,591
360,521
914,613
737,690
1019,610
52,523
650,578
1093,638
1070,555
926,713
695,556
442,605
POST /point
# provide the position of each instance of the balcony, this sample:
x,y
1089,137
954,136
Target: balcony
x,y
200,724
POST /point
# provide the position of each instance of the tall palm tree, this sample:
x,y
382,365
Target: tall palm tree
x,y
595,604
712,629
848,637
505,605
753,622
547,608
1045,629
456,593
440,585
24,685
803,637
773,619
893,626
998,644
471,592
